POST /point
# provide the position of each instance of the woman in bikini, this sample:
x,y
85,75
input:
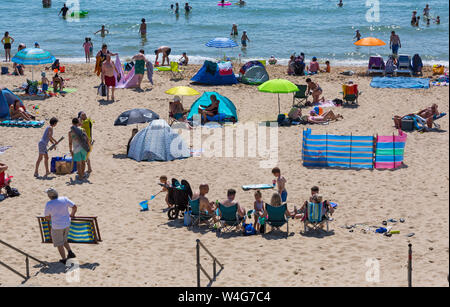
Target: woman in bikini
x,y
315,90
17,111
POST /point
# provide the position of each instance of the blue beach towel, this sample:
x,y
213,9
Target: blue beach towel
x,y
400,82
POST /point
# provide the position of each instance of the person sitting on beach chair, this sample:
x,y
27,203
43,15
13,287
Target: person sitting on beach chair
x,y
177,111
205,206
428,115
211,110
315,212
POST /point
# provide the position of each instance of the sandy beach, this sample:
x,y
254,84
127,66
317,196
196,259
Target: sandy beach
x,y
146,249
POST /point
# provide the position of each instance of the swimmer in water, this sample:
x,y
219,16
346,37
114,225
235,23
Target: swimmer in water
x,y
103,32
234,30
244,39
340,4
177,8
187,8
357,35
241,2
437,20
414,18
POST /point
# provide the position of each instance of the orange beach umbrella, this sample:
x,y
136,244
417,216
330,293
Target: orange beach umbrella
x,y
369,42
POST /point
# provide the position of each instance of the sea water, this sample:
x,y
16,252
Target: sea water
x,y
278,27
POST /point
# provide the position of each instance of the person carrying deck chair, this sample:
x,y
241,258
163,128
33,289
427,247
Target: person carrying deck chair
x,y
57,212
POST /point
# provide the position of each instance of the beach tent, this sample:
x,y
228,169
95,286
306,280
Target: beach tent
x,y
7,98
227,109
212,73
253,72
158,142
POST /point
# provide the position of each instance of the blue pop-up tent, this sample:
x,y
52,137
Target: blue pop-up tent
x,y
210,74
7,98
227,110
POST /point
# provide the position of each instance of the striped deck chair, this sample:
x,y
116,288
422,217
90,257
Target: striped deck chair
x,y
350,94
229,217
314,216
82,230
197,216
276,217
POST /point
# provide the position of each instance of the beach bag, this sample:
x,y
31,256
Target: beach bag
x,y
12,192
187,219
249,229
5,70
56,159
102,90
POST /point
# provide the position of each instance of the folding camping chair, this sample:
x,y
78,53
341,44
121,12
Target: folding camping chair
x,y
172,119
300,96
404,65
83,229
177,73
198,217
376,65
350,94
315,216
276,217
229,217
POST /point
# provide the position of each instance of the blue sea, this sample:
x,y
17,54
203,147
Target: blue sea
x,y
278,27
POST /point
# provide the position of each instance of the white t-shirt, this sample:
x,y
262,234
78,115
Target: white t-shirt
x,y
58,209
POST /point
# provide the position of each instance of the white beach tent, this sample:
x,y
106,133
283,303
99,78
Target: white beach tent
x,y
158,142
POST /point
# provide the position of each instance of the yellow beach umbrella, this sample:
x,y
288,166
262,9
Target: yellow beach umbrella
x,y
182,91
369,42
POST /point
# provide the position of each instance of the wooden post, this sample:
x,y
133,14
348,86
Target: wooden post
x,y
214,269
410,265
198,263
27,263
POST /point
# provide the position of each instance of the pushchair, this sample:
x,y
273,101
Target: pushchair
x,y
178,195
299,66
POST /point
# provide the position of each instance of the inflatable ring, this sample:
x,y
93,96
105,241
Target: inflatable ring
x,y
80,13
224,4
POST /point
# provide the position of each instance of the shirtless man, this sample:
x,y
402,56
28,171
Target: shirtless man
x,y
165,54
315,91
205,204
103,32
395,43
108,78
211,110
231,194
426,12
176,109
427,114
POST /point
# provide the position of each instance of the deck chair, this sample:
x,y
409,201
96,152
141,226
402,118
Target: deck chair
x,y
300,96
276,217
229,217
172,119
315,216
350,93
198,217
177,73
376,65
404,65
83,229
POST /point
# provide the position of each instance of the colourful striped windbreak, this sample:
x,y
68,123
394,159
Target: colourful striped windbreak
x,y
79,232
328,150
33,56
390,150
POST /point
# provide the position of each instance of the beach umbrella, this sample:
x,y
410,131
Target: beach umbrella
x,y
369,42
135,116
221,42
33,56
278,86
182,91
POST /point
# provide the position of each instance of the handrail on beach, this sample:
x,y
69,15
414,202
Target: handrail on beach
x,y
200,268
27,261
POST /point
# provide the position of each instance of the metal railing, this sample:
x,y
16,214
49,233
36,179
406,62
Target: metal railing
x,y
27,262
200,267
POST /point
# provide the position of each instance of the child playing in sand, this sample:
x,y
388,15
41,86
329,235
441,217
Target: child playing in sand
x,y
44,82
258,206
43,143
280,183
165,185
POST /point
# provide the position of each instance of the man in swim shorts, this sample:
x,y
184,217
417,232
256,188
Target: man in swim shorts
x,y
244,39
108,77
165,54
63,10
395,43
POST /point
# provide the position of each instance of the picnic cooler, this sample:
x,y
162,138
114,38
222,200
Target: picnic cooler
x,y
407,124
63,165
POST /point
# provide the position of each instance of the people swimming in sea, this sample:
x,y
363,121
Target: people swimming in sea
x,y
437,20
177,8
244,39
357,35
63,10
187,8
340,4
103,31
234,30
241,2
414,18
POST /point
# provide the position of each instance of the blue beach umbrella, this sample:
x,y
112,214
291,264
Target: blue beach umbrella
x,y
33,56
221,42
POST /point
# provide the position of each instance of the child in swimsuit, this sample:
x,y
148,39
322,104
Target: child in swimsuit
x,y
44,82
280,183
165,185
259,209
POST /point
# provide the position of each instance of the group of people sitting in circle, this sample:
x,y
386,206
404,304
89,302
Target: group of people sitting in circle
x,y
297,66
259,206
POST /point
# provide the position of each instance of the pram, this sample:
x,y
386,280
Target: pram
x,y
299,66
178,196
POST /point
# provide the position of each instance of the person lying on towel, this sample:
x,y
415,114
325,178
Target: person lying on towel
x,y
428,114
16,111
211,110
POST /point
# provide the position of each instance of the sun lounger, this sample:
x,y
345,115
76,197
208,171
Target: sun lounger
x,y
404,65
229,218
276,217
376,65
315,216
82,230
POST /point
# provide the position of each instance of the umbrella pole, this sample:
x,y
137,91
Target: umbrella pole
x,y
279,109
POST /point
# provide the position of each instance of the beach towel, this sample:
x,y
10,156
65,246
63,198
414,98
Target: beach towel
x,y
3,149
150,72
400,82
129,80
262,186
325,104
22,123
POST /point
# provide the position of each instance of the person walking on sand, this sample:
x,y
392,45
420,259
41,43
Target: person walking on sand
x,y
57,211
103,32
78,147
108,77
140,61
395,43
86,125
165,50
42,145
7,41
